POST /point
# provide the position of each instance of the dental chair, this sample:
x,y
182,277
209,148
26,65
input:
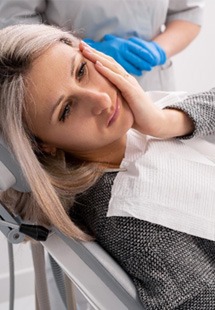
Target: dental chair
x,y
91,269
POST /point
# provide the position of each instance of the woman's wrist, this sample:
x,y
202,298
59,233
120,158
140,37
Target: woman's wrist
x,y
176,123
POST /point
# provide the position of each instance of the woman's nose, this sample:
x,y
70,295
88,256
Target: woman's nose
x,y
98,102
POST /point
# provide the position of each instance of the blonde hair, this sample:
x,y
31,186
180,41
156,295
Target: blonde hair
x,y
54,184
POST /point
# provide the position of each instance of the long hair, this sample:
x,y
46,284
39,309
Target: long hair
x,y
54,183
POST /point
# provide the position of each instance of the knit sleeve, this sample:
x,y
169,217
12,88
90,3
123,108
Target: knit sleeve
x,y
200,108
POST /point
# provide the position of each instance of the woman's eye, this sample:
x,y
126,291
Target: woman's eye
x,y
66,112
82,70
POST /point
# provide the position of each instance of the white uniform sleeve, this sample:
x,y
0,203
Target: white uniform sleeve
x,y
187,10
21,12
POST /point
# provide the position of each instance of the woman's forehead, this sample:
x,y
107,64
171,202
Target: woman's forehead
x,y
55,56
50,73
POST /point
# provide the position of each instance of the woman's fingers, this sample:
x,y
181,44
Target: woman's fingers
x,y
126,83
93,55
88,50
110,69
145,112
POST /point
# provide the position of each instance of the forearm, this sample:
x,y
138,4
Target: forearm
x,y
175,123
177,36
195,116
200,108
164,123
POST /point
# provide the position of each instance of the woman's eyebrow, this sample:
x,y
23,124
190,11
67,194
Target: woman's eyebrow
x,y
60,99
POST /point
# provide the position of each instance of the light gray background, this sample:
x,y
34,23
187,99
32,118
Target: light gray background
x,y
195,66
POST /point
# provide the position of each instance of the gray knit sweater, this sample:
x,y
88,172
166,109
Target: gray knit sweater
x,y
170,269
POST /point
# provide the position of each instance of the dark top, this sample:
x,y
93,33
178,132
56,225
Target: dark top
x,y
168,268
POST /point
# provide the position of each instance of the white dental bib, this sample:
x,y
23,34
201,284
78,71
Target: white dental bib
x,y
167,182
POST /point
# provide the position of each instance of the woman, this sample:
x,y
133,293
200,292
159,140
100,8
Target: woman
x,y
65,112
130,32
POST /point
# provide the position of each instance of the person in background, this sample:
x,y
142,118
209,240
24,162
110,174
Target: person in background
x,y
68,131
141,35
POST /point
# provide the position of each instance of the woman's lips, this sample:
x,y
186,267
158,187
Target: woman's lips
x,y
115,114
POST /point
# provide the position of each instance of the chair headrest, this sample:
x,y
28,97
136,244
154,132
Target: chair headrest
x,y
10,172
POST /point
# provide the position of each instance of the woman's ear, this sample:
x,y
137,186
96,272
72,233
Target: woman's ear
x,y
48,149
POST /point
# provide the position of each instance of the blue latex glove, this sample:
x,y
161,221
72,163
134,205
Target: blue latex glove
x,y
152,47
131,56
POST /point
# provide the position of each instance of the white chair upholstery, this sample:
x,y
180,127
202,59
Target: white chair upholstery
x,y
95,273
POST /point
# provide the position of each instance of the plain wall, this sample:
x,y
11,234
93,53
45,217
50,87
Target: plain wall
x,y
194,72
24,275
195,66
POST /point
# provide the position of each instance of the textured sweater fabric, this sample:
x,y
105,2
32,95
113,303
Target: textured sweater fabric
x,y
170,269
201,109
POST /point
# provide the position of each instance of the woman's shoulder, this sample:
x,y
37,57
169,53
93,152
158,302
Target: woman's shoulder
x,y
91,206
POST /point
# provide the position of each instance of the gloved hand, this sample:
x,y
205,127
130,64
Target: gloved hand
x,y
153,48
133,57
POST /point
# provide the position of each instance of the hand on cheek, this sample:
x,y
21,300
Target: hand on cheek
x,y
138,101
148,118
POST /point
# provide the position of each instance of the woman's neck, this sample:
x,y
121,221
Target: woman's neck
x,y
109,156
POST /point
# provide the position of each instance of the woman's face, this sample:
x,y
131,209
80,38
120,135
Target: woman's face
x,y
73,107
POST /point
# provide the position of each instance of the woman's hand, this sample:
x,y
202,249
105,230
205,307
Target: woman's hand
x,y
148,118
